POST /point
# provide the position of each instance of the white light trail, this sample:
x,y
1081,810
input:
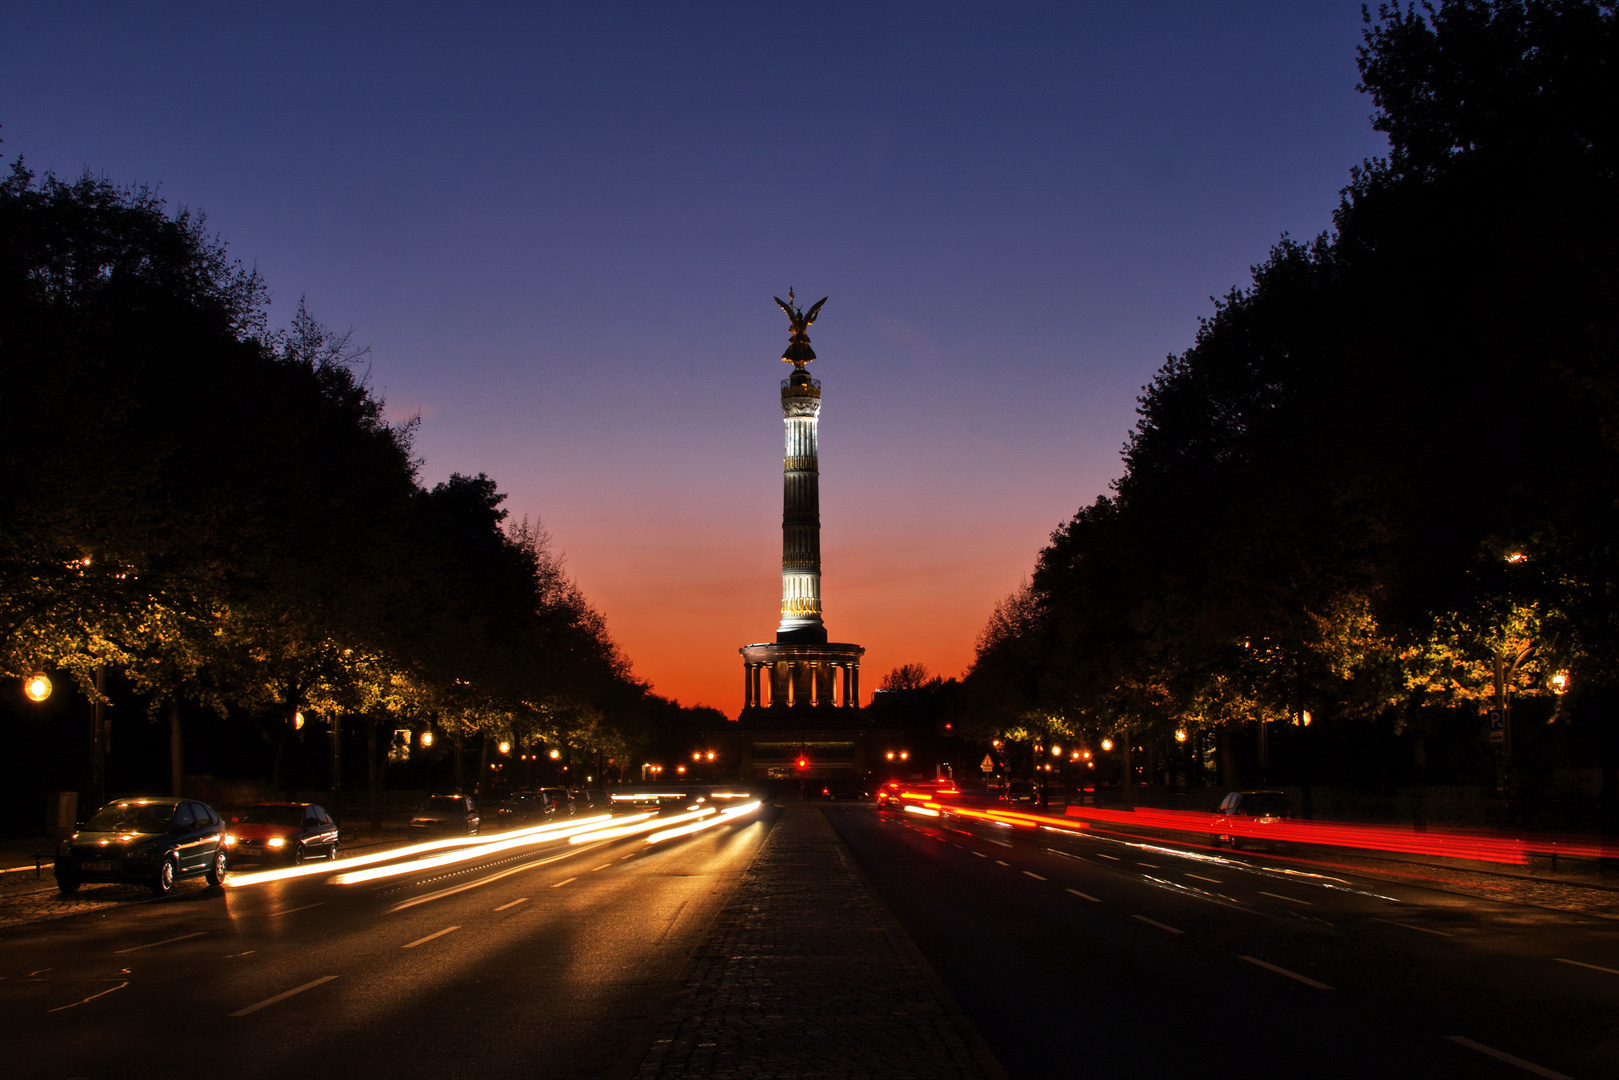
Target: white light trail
x,y
526,839
729,814
644,826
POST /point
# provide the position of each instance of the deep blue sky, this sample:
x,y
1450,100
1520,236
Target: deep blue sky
x,y
559,228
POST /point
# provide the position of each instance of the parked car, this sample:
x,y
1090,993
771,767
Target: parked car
x,y
1246,809
521,808
590,799
283,830
846,787
152,841
445,814
560,802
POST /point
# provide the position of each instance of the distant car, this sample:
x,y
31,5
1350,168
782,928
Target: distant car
x,y
286,830
152,841
445,814
590,799
1021,793
845,787
1246,809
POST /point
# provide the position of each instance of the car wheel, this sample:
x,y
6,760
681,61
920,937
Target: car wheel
x,y
332,853
67,886
216,869
164,881
297,855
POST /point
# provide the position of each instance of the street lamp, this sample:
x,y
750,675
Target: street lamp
x,y
1107,745
37,687
504,747
427,739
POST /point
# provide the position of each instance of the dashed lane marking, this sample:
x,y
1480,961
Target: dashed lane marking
x,y
1034,875
1289,899
980,854
285,994
306,907
89,999
1159,925
563,882
1110,858
1200,877
1411,926
1305,979
1501,1055
514,903
1148,865
603,866
998,862
155,944
1560,960
430,937
1085,896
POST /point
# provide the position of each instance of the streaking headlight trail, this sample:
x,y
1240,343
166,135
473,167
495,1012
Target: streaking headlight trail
x,y
638,827
555,832
542,832
728,814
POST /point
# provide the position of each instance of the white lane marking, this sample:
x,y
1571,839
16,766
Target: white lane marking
x,y
1560,960
603,866
289,911
1085,896
992,840
1159,925
430,937
41,971
1500,1055
563,882
631,855
1034,875
1289,899
92,997
1410,926
284,995
1148,865
1099,855
1200,877
155,944
232,956
1305,979
1000,863
980,854
514,903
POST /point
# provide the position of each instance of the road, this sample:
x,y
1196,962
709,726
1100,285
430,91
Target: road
x,y
546,962
1075,953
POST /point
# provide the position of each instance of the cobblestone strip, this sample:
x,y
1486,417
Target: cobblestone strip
x,y
806,974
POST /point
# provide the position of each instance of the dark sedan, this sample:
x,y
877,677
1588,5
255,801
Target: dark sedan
x,y
151,841
445,814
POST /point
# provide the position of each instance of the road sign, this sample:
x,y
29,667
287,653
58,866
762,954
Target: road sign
x,y
987,765
1498,725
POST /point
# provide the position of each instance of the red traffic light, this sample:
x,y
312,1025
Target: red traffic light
x,y
803,763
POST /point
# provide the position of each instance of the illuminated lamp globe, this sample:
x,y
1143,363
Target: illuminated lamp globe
x,y
1107,744
554,753
37,687
1559,683
1180,734
427,738
1056,751
711,755
505,747
298,720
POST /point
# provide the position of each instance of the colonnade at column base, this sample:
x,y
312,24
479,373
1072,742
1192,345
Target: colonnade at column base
x,y
801,678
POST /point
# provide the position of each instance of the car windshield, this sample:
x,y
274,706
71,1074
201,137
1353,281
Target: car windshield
x,y
444,804
1264,806
292,816
138,817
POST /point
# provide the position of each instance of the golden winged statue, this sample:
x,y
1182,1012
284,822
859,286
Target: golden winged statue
x,y
798,351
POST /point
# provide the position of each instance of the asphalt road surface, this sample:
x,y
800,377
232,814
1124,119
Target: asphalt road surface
x,y
1080,954
553,961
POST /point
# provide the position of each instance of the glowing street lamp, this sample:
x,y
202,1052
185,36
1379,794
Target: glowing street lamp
x,y
37,687
1107,745
427,738
553,753
1180,734
504,747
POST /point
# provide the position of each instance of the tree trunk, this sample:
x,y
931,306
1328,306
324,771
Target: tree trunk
x,y
337,765
457,770
373,767
1228,767
1127,782
483,766
1419,794
177,754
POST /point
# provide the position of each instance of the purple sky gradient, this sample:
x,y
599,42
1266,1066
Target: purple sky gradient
x,y
559,228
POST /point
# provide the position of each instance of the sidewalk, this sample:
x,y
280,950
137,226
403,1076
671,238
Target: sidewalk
x,y
806,973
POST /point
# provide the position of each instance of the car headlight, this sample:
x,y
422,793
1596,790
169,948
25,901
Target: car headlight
x,y
275,841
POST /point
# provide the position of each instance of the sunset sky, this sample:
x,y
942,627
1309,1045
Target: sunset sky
x,y
559,228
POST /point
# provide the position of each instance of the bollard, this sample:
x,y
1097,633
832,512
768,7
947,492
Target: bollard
x,y
37,862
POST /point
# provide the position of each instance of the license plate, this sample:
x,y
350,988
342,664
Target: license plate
x,y
98,866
